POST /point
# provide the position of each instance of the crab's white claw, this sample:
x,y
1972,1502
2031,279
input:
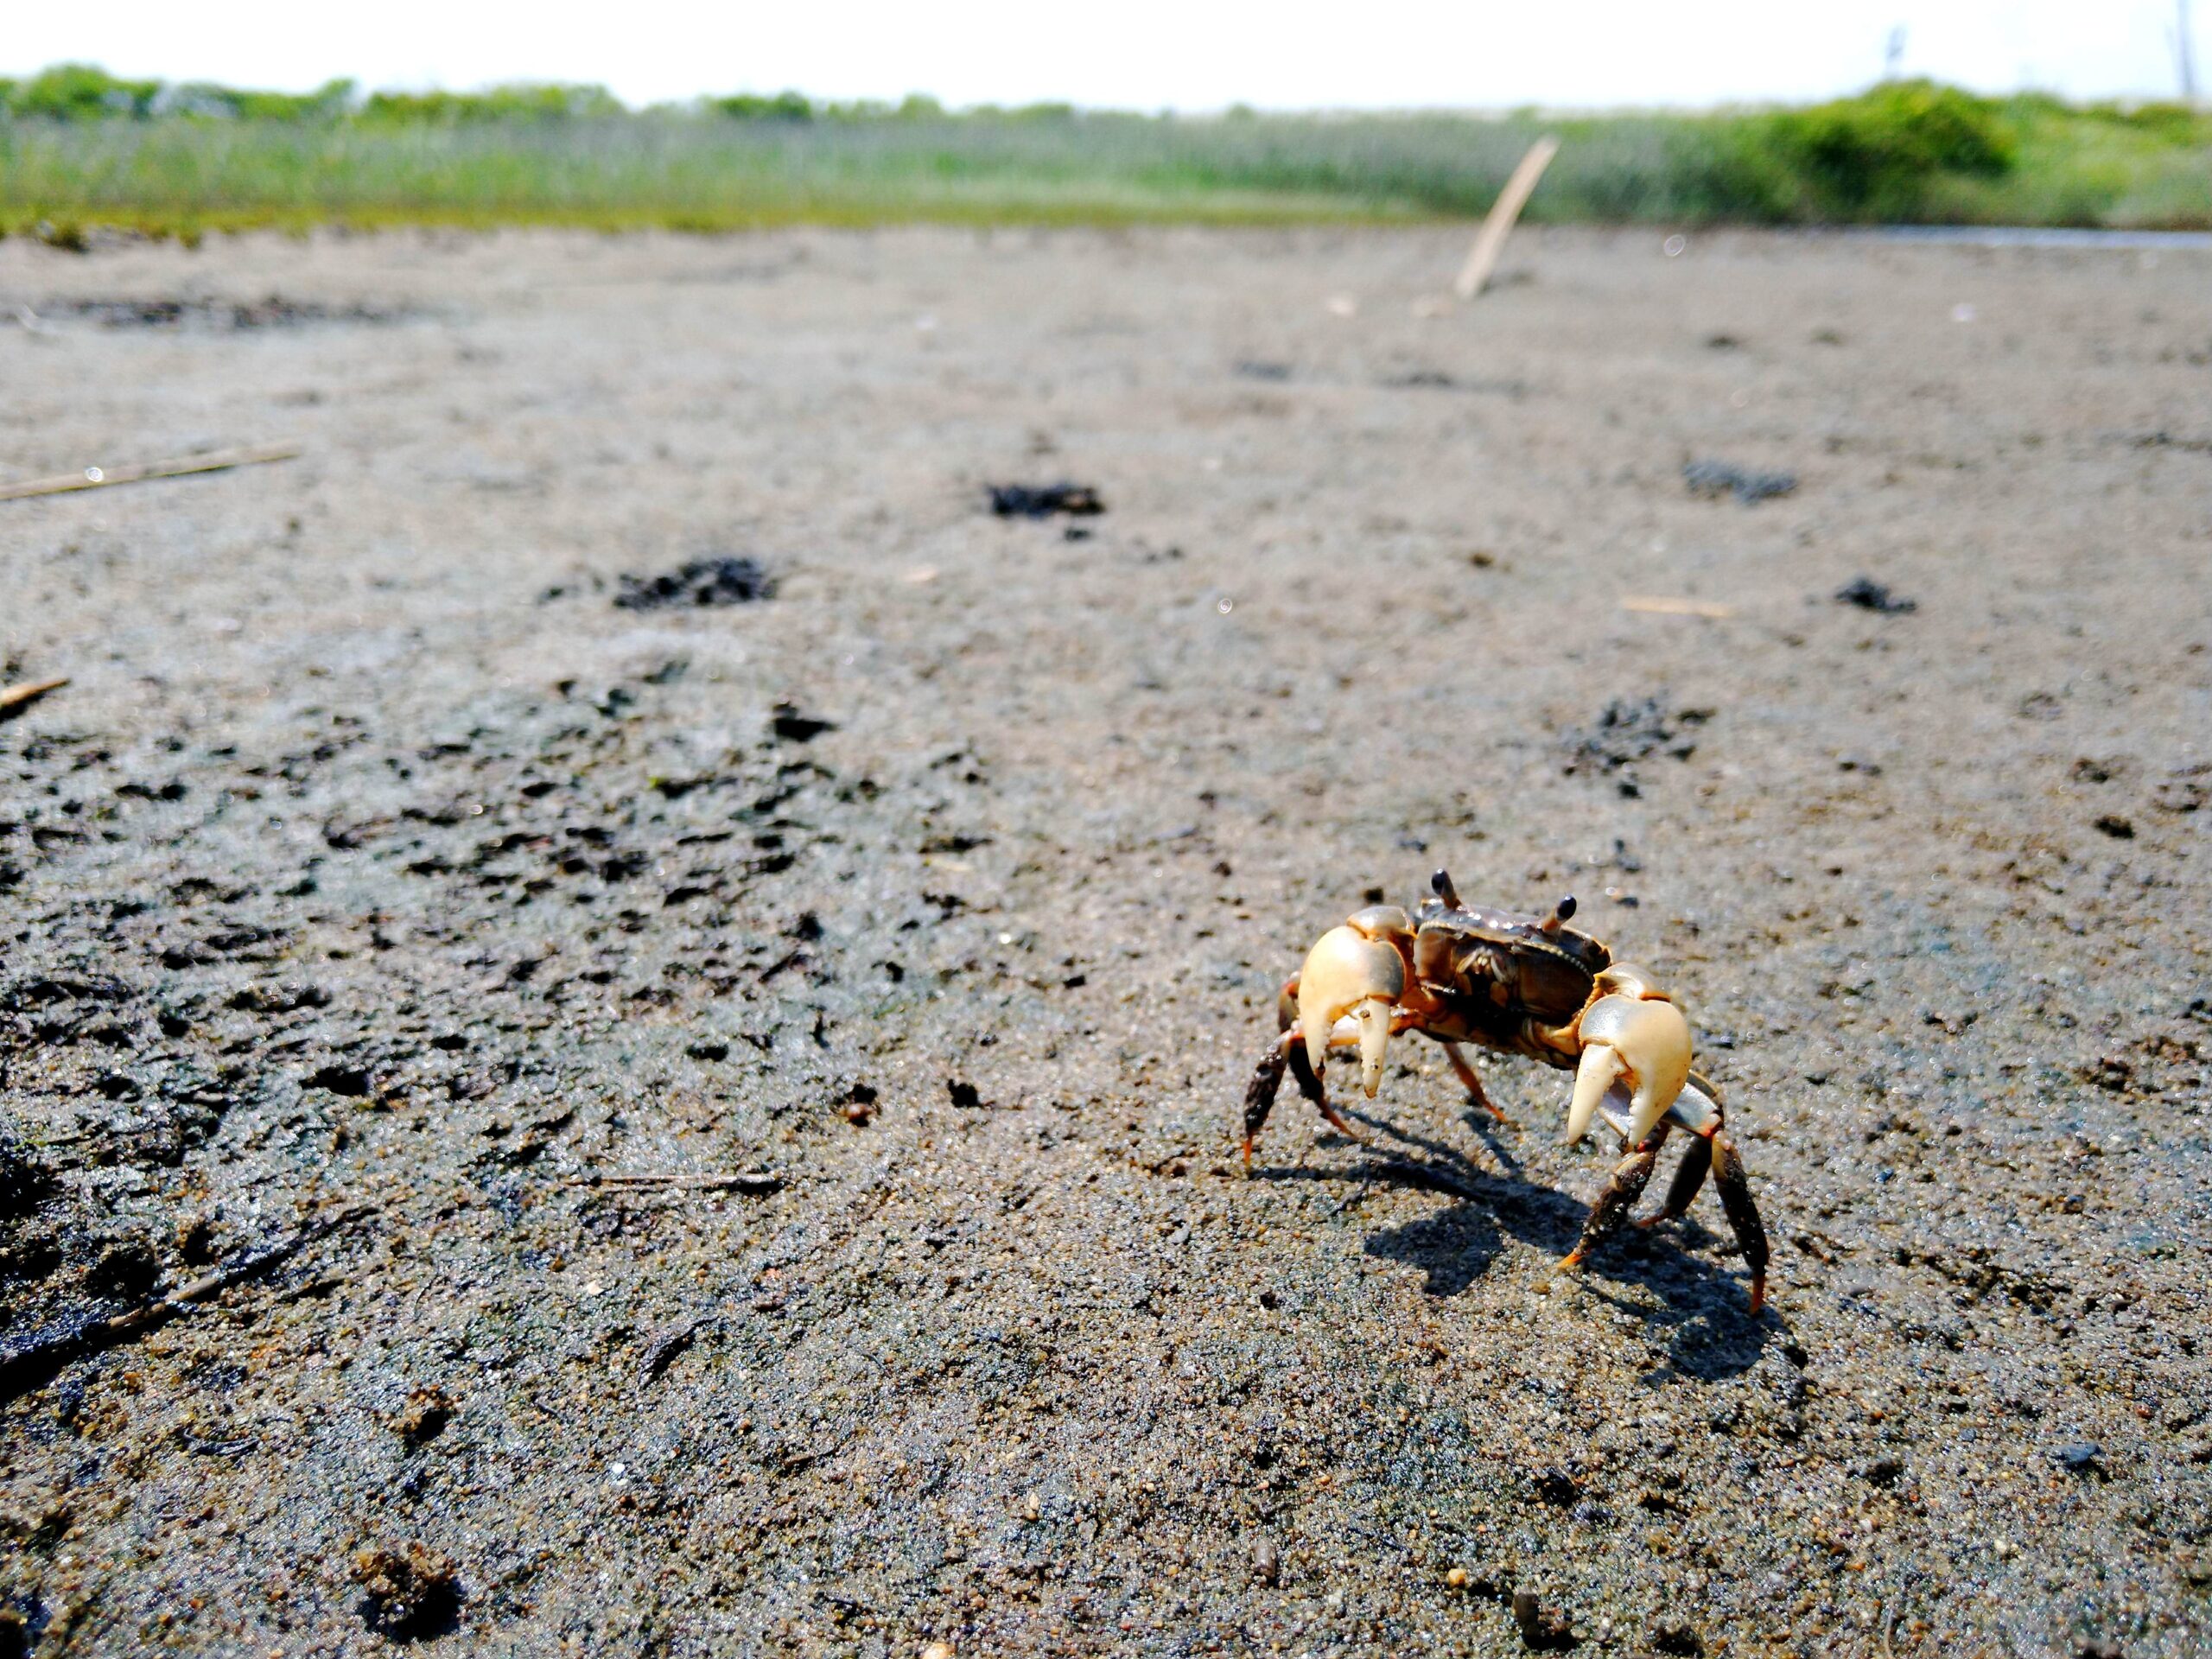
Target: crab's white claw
x,y
1592,1077
1374,1017
1347,973
1645,1042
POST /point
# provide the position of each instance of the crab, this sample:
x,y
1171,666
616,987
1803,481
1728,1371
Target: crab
x,y
1524,985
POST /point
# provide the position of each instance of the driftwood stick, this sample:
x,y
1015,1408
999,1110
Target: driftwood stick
x,y
16,698
94,478
1654,604
1489,243
25,1363
752,1180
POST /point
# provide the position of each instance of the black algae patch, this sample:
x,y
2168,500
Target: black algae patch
x,y
1869,594
701,583
1043,501
1713,479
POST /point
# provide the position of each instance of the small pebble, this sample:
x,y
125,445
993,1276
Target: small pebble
x,y
1267,1562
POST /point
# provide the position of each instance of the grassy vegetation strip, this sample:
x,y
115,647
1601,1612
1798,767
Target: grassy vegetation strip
x,y
84,151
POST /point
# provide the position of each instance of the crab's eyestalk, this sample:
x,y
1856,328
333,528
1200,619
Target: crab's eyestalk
x,y
1348,974
1441,885
1641,1041
1560,914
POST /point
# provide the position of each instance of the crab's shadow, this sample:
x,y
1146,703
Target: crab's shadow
x,y
1700,1304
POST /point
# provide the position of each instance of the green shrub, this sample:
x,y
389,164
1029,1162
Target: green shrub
x,y
1875,157
80,91
752,106
522,103
208,101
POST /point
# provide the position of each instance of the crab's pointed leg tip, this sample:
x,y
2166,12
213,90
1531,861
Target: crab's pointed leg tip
x,y
1248,1154
1759,1291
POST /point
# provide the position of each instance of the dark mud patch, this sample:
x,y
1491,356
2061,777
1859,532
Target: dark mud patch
x,y
1711,480
1045,500
233,316
2162,439
702,584
1629,733
25,1181
1869,594
408,1595
1439,380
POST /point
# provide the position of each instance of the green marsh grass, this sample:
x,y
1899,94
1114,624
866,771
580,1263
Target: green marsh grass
x,y
188,160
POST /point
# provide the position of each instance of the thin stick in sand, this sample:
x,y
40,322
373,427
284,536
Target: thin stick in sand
x,y
1490,244
1654,605
95,478
751,1180
16,698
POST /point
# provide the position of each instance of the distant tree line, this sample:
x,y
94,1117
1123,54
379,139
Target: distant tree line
x,y
82,91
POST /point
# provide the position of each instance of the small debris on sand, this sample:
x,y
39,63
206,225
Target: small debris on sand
x,y
701,583
1043,501
1627,733
1870,595
792,727
425,1416
1267,1562
1713,479
666,1343
1541,1633
2083,1457
409,1594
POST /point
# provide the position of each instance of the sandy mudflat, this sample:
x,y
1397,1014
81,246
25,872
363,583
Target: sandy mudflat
x,y
375,856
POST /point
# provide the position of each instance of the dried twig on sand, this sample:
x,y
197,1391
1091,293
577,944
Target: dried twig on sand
x,y
1489,243
13,699
94,478
1655,606
750,1181
25,1363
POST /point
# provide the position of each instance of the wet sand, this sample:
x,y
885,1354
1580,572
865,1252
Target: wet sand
x,y
377,865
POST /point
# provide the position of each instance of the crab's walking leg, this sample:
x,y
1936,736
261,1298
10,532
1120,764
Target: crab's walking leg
x,y
1260,1093
1629,1178
1473,1083
1309,1084
1689,1176
1287,1052
1743,1215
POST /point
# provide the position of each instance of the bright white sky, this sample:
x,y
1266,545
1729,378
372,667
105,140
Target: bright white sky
x,y
1141,55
